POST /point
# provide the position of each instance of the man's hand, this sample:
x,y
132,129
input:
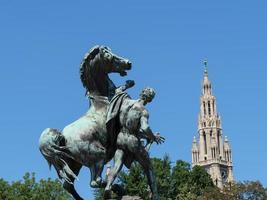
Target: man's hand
x,y
159,139
129,83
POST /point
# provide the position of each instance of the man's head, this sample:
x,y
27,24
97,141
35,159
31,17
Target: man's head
x,y
147,94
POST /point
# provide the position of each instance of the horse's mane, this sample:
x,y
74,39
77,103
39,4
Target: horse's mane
x,y
85,66
86,72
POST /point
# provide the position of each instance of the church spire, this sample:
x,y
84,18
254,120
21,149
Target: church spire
x,y
206,82
210,150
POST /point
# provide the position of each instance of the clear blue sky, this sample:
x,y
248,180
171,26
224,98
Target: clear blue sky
x,y
43,42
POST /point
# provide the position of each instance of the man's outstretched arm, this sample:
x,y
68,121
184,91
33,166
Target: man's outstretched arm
x,y
146,132
128,84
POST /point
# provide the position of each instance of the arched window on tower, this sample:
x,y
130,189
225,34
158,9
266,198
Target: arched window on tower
x,y
205,143
218,139
227,156
209,109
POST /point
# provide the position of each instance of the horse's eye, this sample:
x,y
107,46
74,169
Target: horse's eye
x,y
108,56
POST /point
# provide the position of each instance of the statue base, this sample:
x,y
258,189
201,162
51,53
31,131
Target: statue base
x,y
118,193
127,198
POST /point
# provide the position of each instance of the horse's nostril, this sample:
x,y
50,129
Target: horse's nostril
x,y
129,64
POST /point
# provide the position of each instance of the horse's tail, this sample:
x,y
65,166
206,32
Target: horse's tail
x,y
52,147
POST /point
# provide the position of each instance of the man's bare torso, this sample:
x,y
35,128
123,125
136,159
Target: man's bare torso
x,y
131,112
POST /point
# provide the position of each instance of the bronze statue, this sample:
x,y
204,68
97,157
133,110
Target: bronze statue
x,y
110,125
128,118
85,141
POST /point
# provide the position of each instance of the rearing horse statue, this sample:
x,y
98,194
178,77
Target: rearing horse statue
x,y
86,141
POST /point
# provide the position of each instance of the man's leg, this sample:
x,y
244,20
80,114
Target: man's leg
x,y
142,157
118,163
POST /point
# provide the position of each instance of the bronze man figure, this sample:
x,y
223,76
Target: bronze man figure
x,y
130,118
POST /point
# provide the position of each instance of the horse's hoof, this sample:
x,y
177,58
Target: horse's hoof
x,y
94,184
103,184
108,188
107,194
118,189
99,180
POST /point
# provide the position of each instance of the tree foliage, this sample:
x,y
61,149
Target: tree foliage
x,y
28,188
134,181
173,182
180,182
248,190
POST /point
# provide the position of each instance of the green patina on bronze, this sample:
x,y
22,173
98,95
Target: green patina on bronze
x,y
89,141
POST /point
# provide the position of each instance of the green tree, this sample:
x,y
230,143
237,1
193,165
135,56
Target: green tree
x,y
134,182
213,194
179,178
248,190
28,188
162,169
200,181
187,184
4,189
177,182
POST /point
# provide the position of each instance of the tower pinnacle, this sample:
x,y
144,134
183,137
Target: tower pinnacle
x,y
206,82
210,150
205,62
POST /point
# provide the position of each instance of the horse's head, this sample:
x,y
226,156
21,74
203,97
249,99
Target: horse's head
x,y
112,62
96,66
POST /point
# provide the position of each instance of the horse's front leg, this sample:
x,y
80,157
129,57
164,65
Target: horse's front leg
x,y
97,164
93,182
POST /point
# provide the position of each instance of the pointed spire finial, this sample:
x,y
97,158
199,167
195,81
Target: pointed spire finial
x,y
206,66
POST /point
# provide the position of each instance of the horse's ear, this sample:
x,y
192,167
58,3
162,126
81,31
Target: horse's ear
x,y
107,48
90,55
93,52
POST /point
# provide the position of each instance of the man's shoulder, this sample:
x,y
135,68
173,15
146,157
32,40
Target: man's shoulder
x,y
128,101
141,108
121,95
145,113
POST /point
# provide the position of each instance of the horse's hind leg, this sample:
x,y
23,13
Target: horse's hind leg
x,y
69,185
96,171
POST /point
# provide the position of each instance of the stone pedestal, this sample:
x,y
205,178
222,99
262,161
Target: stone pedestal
x,y
131,198
127,198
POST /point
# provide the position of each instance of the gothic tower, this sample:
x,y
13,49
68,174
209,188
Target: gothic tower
x,y
210,150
